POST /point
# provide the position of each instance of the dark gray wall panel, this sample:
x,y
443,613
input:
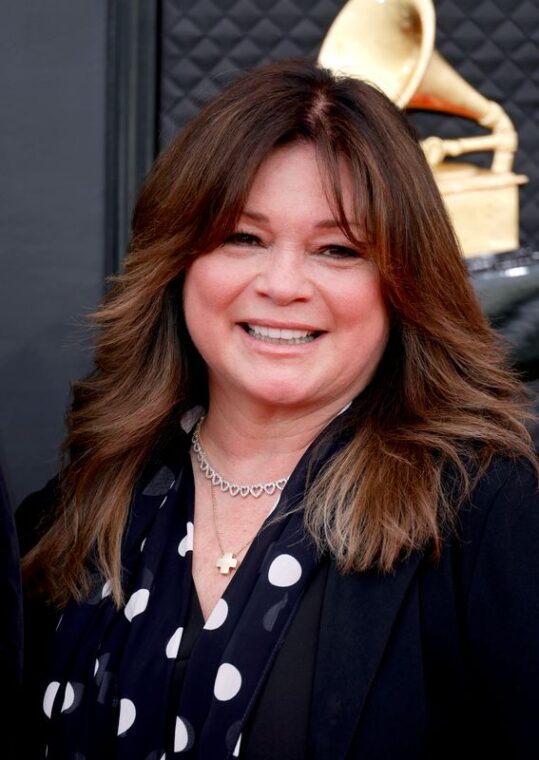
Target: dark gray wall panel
x,y
52,134
205,43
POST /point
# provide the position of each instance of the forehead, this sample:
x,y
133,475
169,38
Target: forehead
x,y
294,186
297,171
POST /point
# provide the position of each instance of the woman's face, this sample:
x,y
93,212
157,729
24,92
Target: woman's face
x,y
286,312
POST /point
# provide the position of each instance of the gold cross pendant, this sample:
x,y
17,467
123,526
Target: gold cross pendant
x,y
226,563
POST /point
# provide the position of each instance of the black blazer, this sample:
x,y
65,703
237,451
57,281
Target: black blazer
x,y
435,661
438,660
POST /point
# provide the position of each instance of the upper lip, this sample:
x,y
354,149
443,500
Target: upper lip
x,y
280,325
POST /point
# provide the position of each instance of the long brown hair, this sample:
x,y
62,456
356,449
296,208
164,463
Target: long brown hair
x,y
442,397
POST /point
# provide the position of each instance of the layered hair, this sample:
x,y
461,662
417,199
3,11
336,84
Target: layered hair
x,y
442,399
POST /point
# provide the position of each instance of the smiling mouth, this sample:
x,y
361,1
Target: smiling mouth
x,y
282,336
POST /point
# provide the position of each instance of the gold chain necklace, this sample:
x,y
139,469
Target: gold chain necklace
x,y
228,560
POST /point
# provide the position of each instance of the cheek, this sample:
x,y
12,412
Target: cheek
x,y
196,301
209,295
368,334
200,293
362,307
211,285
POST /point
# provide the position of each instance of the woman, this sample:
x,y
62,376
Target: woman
x,y
298,513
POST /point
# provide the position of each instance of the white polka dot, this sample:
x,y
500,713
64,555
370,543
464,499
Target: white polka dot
x,y
236,752
137,603
218,616
227,682
50,695
127,717
143,542
186,544
173,645
181,736
284,571
69,697
107,590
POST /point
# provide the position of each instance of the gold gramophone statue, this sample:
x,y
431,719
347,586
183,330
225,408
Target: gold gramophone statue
x,y
391,43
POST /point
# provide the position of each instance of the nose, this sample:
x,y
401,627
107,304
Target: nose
x,y
283,276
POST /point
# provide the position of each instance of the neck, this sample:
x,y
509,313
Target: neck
x,y
250,444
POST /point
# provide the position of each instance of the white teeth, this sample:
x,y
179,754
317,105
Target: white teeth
x,y
281,335
276,332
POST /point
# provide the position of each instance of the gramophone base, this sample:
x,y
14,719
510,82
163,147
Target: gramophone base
x,y
483,207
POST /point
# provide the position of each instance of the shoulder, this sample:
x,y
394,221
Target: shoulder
x,y
505,498
493,558
490,568
35,514
502,603
480,607
497,526
504,475
508,496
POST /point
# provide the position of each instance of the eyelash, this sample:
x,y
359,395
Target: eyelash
x,y
342,252
243,238
331,251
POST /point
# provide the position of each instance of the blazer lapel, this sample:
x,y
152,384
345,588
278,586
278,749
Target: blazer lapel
x,y
357,616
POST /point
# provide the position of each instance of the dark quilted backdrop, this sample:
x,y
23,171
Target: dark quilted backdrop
x,y
494,44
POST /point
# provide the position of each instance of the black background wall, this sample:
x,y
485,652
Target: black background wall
x,y
52,219
90,89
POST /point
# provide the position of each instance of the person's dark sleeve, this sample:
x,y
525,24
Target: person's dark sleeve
x,y
503,614
35,514
32,518
10,593
11,636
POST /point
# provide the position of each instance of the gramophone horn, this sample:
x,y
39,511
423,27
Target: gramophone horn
x,y
387,43
391,44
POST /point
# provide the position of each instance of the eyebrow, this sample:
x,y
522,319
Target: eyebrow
x,y
324,224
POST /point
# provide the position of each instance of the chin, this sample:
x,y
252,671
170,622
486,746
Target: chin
x,y
281,395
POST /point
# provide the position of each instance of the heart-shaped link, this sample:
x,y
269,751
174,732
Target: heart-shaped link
x,y
234,489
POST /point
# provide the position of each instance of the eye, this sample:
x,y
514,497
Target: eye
x,y
340,252
242,238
